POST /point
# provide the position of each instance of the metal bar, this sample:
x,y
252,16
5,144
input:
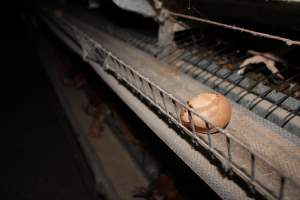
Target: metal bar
x,y
180,47
263,95
252,167
208,134
229,155
214,73
179,41
142,85
251,87
192,122
210,61
225,78
152,92
237,82
199,59
255,33
163,100
275,106
281,188
290,116
191,48
177,111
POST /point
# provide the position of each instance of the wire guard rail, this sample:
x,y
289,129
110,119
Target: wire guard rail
x,y
170,106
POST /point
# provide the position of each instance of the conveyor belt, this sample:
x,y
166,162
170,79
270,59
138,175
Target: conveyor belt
x,y
264,156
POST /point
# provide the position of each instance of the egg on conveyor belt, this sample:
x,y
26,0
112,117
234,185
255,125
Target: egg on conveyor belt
x,y
212,106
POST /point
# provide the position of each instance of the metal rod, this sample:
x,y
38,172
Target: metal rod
x,y
257,82
255,33
192,122
208,134
163,100
290,116
281,188
177,111
228,145
252,166
152,92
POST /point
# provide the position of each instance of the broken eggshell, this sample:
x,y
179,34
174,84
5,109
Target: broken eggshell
x,y
212,106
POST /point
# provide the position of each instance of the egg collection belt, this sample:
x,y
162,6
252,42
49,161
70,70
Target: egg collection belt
x,y
246,161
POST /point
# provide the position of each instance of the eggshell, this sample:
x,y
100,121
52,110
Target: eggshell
x,y
212,106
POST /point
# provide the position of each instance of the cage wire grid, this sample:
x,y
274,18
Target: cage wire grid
x,y
170,106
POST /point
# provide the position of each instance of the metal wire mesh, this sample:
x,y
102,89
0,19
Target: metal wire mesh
x,y
170,106
215,63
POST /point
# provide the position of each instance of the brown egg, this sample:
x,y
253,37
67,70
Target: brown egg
x,y
212,106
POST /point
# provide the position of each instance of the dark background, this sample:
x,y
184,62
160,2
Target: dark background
x,y
40,158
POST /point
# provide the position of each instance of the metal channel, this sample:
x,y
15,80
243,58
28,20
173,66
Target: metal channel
x,y
147,90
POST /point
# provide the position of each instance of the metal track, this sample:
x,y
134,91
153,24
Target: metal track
x,y
253,162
